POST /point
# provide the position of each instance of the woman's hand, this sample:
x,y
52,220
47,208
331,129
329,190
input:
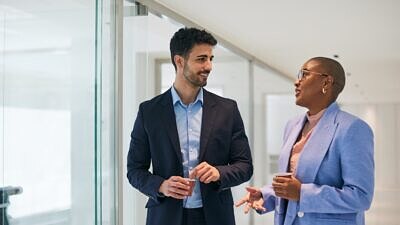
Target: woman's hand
x,y
253,199
287,188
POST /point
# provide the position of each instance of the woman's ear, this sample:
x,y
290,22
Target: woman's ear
x,y
329,81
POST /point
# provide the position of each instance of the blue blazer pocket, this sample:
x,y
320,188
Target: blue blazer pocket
x,y
333,218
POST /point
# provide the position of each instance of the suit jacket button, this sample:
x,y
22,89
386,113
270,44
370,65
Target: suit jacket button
x,y
300,214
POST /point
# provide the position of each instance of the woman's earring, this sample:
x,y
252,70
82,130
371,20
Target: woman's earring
x,y
323,90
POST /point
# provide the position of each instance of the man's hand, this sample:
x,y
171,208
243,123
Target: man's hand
x,y
287,188
175,187
253,199
205,173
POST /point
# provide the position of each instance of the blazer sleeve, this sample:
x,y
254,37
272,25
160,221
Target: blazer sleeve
x,y
357,168
139,158
269,199
240,167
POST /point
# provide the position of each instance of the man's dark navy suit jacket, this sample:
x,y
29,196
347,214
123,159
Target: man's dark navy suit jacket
x,y
223,144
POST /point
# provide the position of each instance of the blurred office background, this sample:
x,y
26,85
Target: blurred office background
x,y
73,72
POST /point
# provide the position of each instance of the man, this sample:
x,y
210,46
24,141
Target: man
x,y
188,132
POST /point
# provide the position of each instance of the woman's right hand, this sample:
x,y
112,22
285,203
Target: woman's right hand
x,y
253,199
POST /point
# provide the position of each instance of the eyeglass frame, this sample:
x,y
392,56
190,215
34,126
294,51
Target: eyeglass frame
x,y
301,75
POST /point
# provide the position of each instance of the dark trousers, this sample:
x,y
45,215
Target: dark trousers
x,y
193,217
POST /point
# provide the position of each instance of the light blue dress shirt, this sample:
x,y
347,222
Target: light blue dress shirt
x,y
188,123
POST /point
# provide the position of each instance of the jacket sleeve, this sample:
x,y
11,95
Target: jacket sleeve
x,y
139,158
357,168
269,199
240,167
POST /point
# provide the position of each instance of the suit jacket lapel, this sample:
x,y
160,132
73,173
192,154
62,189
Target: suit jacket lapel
x,y
287,148
207,122
317,145
169,122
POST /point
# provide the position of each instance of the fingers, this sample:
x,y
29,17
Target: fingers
x,y
280,181
208,176
287,188
193,173
253,205
242,201
205,173
259,207
176,187
247,208
252,189
252,200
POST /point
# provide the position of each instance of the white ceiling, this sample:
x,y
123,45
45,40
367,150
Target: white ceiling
x,y
365,34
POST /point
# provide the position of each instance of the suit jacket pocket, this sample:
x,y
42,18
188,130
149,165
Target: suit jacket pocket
x,y
151,203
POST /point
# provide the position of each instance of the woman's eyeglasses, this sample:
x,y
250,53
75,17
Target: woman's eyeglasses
x,y
303,74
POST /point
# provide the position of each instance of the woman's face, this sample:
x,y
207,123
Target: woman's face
x,y
309,85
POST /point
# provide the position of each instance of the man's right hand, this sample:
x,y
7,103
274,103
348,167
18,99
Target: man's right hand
x,y
175,187
253,199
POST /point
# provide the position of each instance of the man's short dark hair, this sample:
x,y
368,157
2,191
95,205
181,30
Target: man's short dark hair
x,y
185,38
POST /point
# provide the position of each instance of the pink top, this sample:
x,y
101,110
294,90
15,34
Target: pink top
x,y
305,135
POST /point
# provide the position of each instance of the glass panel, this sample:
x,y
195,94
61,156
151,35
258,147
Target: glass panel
x,y
48,112
3,203
231,75
106,149
146,40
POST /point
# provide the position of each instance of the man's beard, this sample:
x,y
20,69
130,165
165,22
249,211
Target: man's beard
x,y
193,77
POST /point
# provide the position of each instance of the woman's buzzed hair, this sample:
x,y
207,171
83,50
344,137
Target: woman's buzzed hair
x,y
333,68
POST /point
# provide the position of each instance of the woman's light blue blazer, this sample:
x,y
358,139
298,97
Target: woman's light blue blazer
x,y
336,169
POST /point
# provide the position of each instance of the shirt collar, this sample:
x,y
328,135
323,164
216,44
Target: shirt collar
x,y
313,119
176,98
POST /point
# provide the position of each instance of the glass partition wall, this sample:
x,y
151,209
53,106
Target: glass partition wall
x,y
56,113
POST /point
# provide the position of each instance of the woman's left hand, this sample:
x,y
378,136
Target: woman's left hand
x,y
287,188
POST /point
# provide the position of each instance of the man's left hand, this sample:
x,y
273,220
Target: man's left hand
x,y
205,173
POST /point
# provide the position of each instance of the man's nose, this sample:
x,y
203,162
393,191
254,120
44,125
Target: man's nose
x,y
208,65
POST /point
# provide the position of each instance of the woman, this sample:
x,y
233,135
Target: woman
x,y
329,153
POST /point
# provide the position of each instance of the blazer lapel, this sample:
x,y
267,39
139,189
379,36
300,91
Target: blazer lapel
x,y
317,145
207,122
287,148
169,122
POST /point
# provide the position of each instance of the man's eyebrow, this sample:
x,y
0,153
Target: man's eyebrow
x,y
205,56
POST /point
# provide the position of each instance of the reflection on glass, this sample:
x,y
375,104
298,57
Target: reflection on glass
x,y
48,111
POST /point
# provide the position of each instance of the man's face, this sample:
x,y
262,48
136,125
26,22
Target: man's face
x,y
198,65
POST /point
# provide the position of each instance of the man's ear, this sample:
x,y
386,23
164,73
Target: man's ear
x,y
179,61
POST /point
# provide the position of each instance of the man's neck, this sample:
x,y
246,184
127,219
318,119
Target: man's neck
x,y
187,93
